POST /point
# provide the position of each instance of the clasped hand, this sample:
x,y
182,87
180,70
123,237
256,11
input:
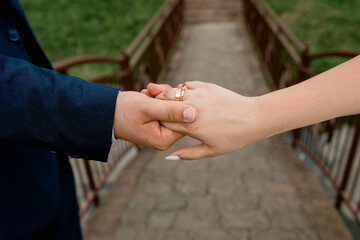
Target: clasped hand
x,y
226,121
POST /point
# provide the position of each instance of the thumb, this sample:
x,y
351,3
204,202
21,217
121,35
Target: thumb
x,y
169,111
191,153
156,89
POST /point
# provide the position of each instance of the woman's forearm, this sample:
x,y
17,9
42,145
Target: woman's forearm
x,y
331,94
228,121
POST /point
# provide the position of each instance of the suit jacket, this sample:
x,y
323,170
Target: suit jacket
x,y
43,116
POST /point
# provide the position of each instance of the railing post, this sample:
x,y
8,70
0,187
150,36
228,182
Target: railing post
x,y
349,164
303,74
126,76
91,181
64,71
305,64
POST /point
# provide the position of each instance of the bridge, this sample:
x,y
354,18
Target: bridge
x,y
264,191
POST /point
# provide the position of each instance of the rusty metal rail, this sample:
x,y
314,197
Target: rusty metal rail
x,y
333,145
144,61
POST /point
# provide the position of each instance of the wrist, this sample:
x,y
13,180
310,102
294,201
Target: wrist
x,y
265,119
116,124
252,123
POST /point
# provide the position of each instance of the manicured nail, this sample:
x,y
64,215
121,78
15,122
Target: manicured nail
x,y
189,114
172,158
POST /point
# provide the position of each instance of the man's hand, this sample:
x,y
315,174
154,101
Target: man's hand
x,y
227,121
137,119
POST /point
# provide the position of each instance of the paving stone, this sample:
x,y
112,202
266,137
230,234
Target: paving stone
x,y
280,234
134,217
142,202
279,187
176,235
201,203
244,219
280,175
240,234
237,202
127,233
197,219
157,187
192,186
150,234
210,234
171,201
289,219
161,219
223,185
255,188
274,203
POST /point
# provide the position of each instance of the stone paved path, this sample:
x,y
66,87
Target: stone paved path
x,y
262,192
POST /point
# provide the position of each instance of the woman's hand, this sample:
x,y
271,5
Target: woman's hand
x,y
226,122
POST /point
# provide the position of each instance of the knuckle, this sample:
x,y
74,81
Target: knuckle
x,y
162,146
192,128
166,86
167,95
170,113
208,85
142,109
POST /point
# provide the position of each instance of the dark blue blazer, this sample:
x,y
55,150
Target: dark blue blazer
x,y
43,116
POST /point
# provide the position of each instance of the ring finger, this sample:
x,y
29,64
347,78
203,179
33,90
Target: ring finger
x,y
174,94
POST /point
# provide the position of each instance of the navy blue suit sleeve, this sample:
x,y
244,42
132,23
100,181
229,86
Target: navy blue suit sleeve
x,y
43,109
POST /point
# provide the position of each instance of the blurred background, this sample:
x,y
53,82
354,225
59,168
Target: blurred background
x,y
82,27
70,28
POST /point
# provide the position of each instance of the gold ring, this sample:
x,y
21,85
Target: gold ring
x,y
178,92
183,89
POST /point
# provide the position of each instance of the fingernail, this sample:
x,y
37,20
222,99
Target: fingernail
x,y
172,158
189,114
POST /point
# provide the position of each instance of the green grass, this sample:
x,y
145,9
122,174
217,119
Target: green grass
x,y
68,28
324,24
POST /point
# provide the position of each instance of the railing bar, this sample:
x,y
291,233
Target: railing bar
x,y
140,53
91,196
81,176
338,133
282,26
339,162
92,183
105,77
263,60
352,206
103,166
293,54
345,152
335,53
170,50
77,179
349,162
355,179
284,42
66,64
136,58
148,27
318,161
98,171
334,146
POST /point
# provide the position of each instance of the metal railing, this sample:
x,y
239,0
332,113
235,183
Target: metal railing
x,y
144,61
333,145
